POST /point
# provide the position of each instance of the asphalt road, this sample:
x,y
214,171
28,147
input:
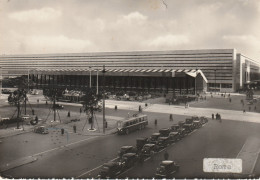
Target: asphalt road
x,y
215,139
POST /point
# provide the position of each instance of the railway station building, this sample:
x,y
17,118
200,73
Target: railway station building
x,y
178,71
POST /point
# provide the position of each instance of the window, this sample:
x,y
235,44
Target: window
x,y
226,85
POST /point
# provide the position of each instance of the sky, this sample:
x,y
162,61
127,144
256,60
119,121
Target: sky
x,y
78,26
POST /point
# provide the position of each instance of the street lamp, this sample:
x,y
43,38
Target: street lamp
x,y
104,118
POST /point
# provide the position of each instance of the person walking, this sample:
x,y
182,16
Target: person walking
x,y
74,128
69,114
212,116
171,118
166,155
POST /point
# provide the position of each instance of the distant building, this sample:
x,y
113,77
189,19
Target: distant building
x,y
222,70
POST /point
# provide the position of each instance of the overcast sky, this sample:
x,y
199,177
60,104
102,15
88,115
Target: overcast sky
x,y
70,26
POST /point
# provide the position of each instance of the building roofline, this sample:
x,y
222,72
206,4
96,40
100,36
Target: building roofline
x,y
120,52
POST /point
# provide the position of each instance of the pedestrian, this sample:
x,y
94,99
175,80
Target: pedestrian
x,y
255,108
166,155
171,118
230,100
155,122
74,128
62,131
69,114
140,109
36,119
46,103
212,116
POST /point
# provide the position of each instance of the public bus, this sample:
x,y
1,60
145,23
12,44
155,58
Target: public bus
x,y
132,124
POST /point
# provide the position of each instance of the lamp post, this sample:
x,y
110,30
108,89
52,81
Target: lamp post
x,y
215,82
104,118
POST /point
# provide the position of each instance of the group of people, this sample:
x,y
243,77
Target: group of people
x,y
218,116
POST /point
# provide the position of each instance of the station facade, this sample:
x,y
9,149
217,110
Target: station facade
x,y
178,71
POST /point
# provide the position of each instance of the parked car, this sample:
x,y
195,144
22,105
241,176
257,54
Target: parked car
x,y
126,149
182,132
181,123
128,160
140,142
6,91
167,169
174,137
190,122
163,142
204,119
41,130
154,138
188,128
175,127
149,149
110,170
164,132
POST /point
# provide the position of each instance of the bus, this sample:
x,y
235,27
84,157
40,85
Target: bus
x,y
132,124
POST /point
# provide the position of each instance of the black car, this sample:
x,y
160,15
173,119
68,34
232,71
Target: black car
x,y
163,142
164,132
167,169
128,160
140,142
154,138
110,170
6,91
149,149
126,149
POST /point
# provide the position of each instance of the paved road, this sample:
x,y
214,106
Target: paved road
x,y
215,139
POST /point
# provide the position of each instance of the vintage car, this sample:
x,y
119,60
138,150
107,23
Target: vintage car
x,y
41,130
197,123
167,169
181,123
203,119
128,160
174,137
149,149
110,170
188,128
175,127
164,132
163,142
182,132
191,122
126,149
140,142
154,138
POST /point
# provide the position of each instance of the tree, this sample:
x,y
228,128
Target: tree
x,y
91,103
16,99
